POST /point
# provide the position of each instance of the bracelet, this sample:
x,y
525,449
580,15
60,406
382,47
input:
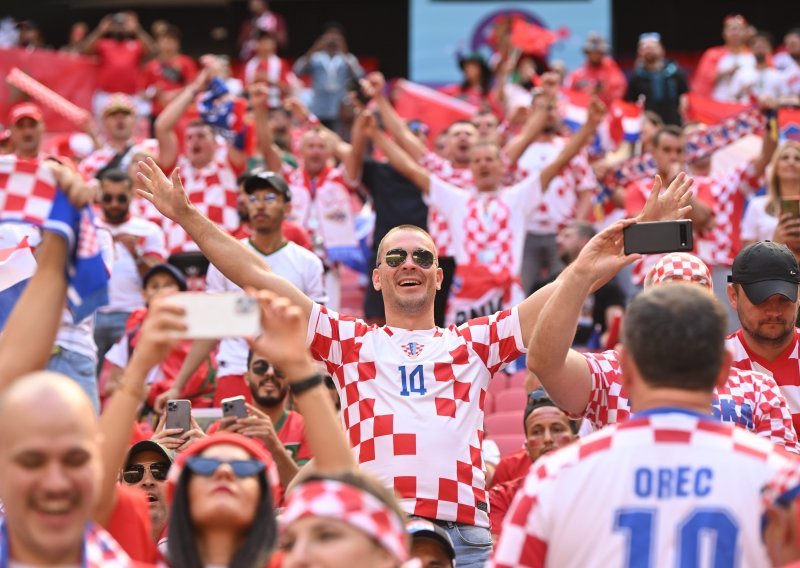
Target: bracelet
x,y
300,387
136,391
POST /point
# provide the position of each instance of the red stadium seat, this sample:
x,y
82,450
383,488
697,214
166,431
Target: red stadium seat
x,y
510,399
488,407
517,380
509,443
504,423
498,383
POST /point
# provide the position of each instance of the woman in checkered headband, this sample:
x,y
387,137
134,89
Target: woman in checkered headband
x,y
347,521
221,491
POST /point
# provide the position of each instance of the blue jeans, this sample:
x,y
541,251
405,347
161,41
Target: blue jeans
x,y
108,328
473,544
79,368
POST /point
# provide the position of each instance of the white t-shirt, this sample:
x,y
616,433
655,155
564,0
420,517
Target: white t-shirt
x,y
125,286
724,89
750,81
298,265
487,227
757,224
667,488
412,404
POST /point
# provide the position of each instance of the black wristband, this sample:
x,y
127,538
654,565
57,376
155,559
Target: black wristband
x,y
306,384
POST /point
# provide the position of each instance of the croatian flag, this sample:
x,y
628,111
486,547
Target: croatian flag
x,y
17,265
623,122
789,123
28,194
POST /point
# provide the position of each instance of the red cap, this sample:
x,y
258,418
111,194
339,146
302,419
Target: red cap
x,y
25,110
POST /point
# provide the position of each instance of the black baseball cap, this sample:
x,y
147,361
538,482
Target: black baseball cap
x,y
764,269
148,446
166,269
417,527
266,179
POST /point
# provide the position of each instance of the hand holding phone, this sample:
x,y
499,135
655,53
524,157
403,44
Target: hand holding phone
x,y
179,415
234,407
790,206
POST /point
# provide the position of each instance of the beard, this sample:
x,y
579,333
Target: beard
x,y
774,338
269,400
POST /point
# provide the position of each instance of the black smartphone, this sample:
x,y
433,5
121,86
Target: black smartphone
x,y
355,86
658,237
179,413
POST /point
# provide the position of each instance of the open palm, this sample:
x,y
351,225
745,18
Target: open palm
x,y
165,193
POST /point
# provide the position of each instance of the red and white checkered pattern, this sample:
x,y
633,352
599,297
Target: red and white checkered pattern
x,y
459,177
785,484
669,463
96,161
749,399
487,227
27,190
558,208
680,266
337,500
214,191
726,192
417,423
305,191
785,370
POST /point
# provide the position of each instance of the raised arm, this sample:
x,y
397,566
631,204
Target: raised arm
x,y
283,343
354,161
266,144
133,26
158,336
375,85
90,41
562,371
769,141
198,352
168,119
594,117
532,127
398,159
238,263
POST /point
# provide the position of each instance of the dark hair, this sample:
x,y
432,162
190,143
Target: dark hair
x,y
182,546
793,31
333,27
763,34
173,31
457,122
667,130
654,117
585,230
676,336
115,176
539,399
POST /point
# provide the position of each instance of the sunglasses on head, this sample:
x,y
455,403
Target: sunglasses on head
x,y
135,473
421,257
108,198
261,368
207,466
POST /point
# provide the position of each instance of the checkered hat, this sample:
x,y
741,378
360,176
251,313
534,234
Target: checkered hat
x,y
351,505
680,266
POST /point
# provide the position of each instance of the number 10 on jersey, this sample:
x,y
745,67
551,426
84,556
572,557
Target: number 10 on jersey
x,y
412,381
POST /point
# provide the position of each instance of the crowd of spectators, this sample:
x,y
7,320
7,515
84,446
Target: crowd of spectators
x,y
489,254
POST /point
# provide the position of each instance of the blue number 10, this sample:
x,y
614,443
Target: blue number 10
x,y
638,523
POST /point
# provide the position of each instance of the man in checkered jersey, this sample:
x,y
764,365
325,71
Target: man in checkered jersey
x,y
488,220
672,486
412,394
593,385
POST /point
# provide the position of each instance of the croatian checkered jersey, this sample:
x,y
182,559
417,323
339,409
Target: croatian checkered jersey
x,y
459,177
678,489
214,191
785,369
412,404
750,400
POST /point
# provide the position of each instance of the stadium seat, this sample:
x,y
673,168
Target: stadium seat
x,y
517,380
510,399
488,406
509,443
503,423
498,383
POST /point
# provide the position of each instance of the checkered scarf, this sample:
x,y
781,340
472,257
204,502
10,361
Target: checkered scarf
x,y
100,550
28,194
351,505
680,266
699,144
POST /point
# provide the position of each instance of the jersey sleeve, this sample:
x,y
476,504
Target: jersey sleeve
x,y
332,337
607,403
582,172
447,199
523,541
525,195
772,417
314,282
496,339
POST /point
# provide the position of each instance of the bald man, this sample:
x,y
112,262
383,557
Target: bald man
x,y
50,475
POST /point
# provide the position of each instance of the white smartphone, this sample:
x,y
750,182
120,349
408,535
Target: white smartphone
x,y
211,316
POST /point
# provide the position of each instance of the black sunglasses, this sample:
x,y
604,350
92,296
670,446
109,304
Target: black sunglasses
x,y
261,368
421,257
135,473
108,198
241,468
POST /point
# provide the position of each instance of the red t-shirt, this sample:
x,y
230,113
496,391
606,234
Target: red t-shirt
x,y
119,65
168,76
511,467
292,434
130,525
500,498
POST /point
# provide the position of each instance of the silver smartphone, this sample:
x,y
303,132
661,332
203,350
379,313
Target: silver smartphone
x,y
179,413
212,316
234,407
